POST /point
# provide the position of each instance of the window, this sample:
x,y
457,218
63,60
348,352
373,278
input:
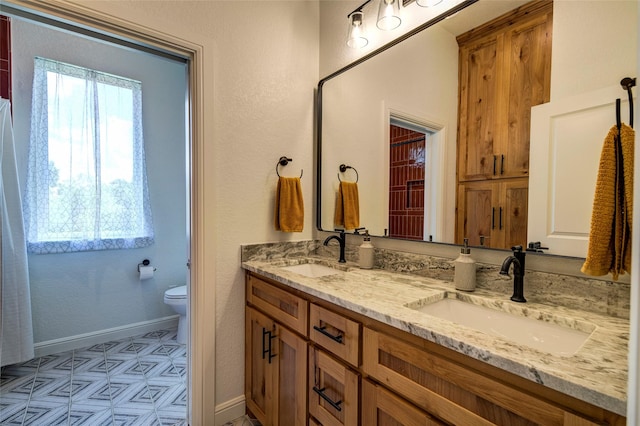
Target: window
x,y
86,179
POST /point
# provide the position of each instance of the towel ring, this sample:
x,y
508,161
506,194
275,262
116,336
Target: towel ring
x,y
344,167
283,161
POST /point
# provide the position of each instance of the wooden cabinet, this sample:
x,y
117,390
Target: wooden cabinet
x,y
493,213
333,390
375,374
505,69
275,372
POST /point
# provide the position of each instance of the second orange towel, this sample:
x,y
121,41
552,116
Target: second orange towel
x,y
347,212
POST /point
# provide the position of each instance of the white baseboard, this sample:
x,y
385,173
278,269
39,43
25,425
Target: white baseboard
x,y
87,339
230,410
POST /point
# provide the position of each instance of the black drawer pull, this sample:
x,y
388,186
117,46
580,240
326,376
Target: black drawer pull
x,y
493,218
334,404
324,331
267,350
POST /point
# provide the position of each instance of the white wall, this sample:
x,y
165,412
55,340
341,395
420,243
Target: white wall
x,y
85,292
594,45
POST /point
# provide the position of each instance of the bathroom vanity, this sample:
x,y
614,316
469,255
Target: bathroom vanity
x,y
332,344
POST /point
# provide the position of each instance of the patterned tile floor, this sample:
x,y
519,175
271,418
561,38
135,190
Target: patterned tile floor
x,y
134,381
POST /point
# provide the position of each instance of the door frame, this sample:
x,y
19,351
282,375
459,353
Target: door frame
x,y
201,356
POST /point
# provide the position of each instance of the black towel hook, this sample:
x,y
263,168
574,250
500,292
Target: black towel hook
x,y
343,168
283,161
627,83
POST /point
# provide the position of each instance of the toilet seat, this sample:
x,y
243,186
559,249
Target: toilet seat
x,y
176,293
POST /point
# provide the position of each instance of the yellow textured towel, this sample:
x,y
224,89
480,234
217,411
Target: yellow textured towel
x,y
612,216
347,212
289,215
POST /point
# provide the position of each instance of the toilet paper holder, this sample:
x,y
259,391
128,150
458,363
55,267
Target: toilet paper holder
x,y
145,262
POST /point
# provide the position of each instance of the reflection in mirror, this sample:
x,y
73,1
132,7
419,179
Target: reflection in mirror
x,y
416,82
413,170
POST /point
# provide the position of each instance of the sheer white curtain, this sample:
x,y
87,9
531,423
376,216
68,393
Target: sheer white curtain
x,y
86,180
16,331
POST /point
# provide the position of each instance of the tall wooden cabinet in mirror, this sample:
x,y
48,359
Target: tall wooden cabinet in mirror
x,y
505,69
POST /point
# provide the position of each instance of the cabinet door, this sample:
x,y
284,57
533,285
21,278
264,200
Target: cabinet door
x,y
493,213
333,390
477,203
514,195
382,408
259,373
527,65
291,376
479,82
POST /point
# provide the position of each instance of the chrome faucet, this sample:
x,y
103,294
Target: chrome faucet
x,y
518,273
342,239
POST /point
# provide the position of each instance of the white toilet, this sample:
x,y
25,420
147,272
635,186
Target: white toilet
x,y
176,297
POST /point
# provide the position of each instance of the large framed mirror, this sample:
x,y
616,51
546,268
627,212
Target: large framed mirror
x,y
412,85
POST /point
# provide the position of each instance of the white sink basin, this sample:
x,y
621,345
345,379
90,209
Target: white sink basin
x,y
312,270
537,334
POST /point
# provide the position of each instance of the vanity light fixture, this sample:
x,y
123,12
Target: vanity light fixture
x,y
428,3
357,35
389,15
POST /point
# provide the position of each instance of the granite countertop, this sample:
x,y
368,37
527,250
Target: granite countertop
x,y
596,373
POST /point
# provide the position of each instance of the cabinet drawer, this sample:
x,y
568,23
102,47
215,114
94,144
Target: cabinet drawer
x,y
449,391
382,408
281,305
339,335
333,390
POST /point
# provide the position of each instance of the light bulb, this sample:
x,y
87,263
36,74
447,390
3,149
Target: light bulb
x,y
389,15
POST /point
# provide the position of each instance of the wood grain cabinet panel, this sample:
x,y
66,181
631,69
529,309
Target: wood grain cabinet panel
x,y
336,333
333,390
493,213
281,305
275,372
457,394
382,408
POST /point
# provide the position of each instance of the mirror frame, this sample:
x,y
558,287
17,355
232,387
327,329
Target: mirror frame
x,y
455,9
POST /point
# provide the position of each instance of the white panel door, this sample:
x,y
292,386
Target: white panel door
x,y
566,141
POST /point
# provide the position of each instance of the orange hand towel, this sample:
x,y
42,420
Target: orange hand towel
x,y
289,214
347,212
612,216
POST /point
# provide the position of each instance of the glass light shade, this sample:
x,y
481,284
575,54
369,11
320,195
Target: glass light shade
x,y
428,3
357,35
389,15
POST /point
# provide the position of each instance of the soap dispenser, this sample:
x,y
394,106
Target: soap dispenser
x,y
465,269
366,252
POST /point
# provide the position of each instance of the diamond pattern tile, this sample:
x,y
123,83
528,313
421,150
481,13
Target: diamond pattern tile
x,y
134,381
